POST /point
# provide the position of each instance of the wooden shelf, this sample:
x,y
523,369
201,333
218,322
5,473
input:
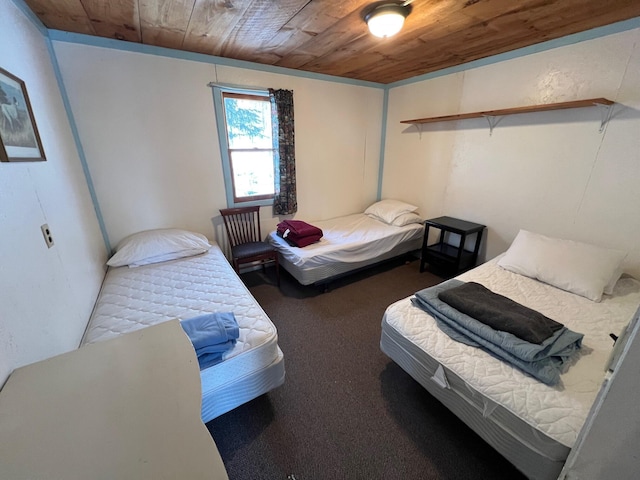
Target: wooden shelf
x,y
592,102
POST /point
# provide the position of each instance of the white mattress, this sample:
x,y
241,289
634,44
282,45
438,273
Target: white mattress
x,y
560,411
134,298
348,243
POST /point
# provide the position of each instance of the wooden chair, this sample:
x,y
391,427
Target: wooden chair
x,y
243,230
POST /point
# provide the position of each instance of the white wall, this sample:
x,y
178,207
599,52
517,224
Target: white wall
x,y
550,172
149,132
46,295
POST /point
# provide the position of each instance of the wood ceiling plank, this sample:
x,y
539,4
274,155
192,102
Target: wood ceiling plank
x,y
329,36
114,18
65,15
346,59
439,19
506,32
211,23
310,21
447,30
334,53
164,22
341,34
258,26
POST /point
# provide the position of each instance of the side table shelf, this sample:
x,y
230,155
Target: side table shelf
x,y
449,259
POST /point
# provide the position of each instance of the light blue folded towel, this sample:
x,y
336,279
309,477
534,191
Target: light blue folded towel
x,y
211,334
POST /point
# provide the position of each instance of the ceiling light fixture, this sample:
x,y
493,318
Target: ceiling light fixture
x,y
386,19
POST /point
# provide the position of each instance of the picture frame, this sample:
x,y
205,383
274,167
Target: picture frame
x,y
19,137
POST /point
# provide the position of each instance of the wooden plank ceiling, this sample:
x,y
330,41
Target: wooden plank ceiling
x,y
330,36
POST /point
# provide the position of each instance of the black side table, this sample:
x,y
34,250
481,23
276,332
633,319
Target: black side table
x,y
446,258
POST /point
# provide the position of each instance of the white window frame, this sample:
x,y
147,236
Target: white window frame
x,y
224,145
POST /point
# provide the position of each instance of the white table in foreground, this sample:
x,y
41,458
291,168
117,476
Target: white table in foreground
x,y
127,408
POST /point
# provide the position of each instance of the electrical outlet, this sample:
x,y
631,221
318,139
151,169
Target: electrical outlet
x,y
46,232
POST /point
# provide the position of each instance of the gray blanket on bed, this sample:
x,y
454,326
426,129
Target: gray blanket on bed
x,y
543,361
499,312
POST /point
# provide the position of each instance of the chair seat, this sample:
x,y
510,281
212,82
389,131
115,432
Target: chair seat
x,y
252,249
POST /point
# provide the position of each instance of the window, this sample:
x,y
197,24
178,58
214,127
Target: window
x,y
248,146
257,146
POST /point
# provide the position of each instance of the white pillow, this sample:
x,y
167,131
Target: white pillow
x,y
612,283
388,210
576,267
154,246
406,219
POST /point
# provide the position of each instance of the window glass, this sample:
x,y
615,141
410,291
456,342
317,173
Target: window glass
x,y
250,145
252,173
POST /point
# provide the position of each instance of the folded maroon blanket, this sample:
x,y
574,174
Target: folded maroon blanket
x,y
298,233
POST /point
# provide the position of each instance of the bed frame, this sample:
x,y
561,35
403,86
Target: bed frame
x,y
410,337
530,451
322,274
134,298
322,277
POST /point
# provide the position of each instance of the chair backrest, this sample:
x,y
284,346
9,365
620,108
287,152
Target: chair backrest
x,y
242,224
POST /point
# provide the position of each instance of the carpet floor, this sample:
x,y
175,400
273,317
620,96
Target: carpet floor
x,y
345,410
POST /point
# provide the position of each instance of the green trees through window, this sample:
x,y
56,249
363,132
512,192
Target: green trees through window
x,y
250,145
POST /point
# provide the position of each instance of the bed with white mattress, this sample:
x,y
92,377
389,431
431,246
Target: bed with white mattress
x,y
134,298
349,243
532,424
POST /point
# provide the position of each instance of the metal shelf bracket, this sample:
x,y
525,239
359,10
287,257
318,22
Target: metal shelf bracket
x,y
493,121
605,115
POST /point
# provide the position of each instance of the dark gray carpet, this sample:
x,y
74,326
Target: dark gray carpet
x,y
346,411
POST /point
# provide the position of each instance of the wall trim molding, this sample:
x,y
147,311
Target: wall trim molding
x,y
132,47
78,143
383,141
24,8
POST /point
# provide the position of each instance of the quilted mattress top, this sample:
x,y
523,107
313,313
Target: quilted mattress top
x,y
134,298
558,411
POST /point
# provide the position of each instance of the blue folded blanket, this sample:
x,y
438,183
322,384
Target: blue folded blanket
x,y
543,361
211,334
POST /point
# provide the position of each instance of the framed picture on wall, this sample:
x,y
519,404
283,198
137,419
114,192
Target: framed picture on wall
x,y
19,138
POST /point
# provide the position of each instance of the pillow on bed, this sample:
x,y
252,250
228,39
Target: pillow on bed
x,y
406,219
388,210
580,268
616,276
154,246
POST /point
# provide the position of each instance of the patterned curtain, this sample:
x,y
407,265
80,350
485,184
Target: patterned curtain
x,y
285,201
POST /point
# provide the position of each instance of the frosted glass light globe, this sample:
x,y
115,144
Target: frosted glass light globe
x,y
385,23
